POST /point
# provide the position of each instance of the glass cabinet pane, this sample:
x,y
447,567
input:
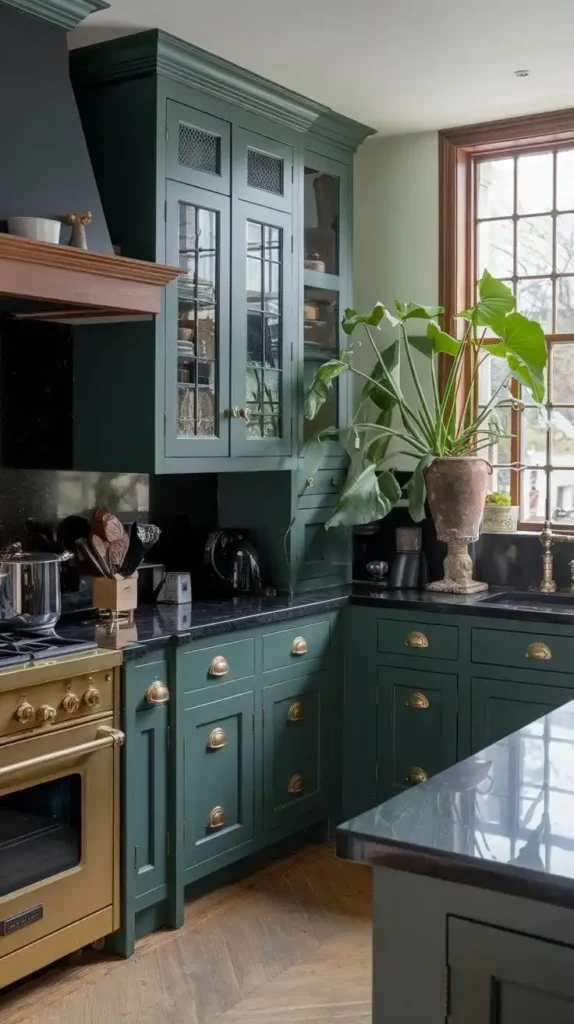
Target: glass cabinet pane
x,y
322,203
264,283
321,343
197,327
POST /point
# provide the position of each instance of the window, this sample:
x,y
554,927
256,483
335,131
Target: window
x,y
508,206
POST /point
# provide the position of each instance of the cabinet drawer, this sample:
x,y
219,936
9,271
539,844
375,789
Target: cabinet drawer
x,y
535,650
223,662
324,481
295,646
417,639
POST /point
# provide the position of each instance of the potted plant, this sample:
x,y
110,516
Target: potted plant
x,y
500,515
443,433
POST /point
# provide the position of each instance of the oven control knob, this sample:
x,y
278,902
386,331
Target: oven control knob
x,y
47,714
25,713
92,697
71,703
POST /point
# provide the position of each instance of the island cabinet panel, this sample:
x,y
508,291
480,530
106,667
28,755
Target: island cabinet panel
x,y
500,707
500,977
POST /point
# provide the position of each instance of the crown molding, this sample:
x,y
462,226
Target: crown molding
x,y
66,14
157,53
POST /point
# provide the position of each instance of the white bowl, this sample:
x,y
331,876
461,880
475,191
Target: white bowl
x,y
38,229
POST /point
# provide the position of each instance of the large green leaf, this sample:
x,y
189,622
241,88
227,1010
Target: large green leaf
x,y
352,319
368,497
524,347
390,358
495,300
436,341
415,311
377,449
417,490
322,383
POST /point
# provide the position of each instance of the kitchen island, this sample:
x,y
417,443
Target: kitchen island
x,y
474,886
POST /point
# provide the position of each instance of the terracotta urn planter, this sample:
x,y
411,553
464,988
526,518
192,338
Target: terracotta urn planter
x,y
456,489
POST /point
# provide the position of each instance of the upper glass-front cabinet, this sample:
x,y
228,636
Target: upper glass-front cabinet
x,y
326,273
198,148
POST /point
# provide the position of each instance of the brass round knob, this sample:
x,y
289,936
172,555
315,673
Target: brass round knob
x,y
299,645
539,652
217,818
217,739
25,713
296,783
416,640
240,414
47,714
418,700
92,697
157,693
219,666
295,711
71,703
416,775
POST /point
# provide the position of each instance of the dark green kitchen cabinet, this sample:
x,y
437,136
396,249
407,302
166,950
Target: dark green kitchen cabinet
x,y
501,709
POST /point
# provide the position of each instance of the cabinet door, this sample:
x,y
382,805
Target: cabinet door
x,y
416,726
501,977
262,170
320,554
500,708
293,749
197,323
263,326
198,148
218,776
147,792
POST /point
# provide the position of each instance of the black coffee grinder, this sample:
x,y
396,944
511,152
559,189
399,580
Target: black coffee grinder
x,y
409,567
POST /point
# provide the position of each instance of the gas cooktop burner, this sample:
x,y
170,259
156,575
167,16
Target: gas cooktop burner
x,y
20,648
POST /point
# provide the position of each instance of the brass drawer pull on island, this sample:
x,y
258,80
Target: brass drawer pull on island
x,y
416,640
540,652
416,775
217,818
219,666
157,693
418,700
296,783
105,737
299,645
217,739
295,711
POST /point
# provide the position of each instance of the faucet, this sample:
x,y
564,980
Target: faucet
x,y
547,538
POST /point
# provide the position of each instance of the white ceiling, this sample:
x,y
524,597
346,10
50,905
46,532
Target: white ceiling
x,y
403,65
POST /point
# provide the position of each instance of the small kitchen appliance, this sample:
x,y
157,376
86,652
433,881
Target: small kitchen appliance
x,y
231,564
408,570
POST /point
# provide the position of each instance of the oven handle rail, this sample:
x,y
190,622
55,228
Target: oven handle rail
x,y
105,737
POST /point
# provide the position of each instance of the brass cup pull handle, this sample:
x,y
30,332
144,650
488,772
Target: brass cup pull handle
x,y
157,693
217,739
299,646
105,737
416,640
296,783
295,712
217,818
418,700
539,652
219,666
416,775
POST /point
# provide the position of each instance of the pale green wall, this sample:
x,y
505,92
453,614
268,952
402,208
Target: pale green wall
x,y
396,227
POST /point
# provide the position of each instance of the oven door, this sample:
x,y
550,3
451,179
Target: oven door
x,y
58,831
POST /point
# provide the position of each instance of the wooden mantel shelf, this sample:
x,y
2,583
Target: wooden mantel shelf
x,y
77,283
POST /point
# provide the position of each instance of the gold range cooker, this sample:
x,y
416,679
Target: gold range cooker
x,y
59,802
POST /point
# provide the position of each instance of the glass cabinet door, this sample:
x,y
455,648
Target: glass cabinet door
x,y
262,332
326,275
197,323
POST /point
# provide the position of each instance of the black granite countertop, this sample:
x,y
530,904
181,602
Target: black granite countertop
x,y
503,819
528,606
156,625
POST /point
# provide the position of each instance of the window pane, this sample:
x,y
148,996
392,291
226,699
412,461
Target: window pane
x,y
533,436
500,480
495,248
565,243
562,359
496,188
534,299
533,494
499,450
562,436
562,495
565,305
492,372
565,180
535,183
534,246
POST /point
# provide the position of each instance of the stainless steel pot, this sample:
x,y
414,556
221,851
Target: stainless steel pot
x,y
30,589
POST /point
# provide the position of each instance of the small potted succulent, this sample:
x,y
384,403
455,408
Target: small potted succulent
x,y
500,515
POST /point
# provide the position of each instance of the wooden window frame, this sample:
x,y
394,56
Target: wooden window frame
x,y
458,150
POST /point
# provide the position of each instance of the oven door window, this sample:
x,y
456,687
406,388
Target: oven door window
x,y
40,832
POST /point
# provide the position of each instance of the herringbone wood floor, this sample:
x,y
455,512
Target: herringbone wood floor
x,y
290,944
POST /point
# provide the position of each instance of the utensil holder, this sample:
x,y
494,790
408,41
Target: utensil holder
x,y
115,595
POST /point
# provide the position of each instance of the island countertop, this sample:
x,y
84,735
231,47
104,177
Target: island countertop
x,y
501,820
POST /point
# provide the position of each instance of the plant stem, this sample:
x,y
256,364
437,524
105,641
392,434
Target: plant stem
x,y
425,411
